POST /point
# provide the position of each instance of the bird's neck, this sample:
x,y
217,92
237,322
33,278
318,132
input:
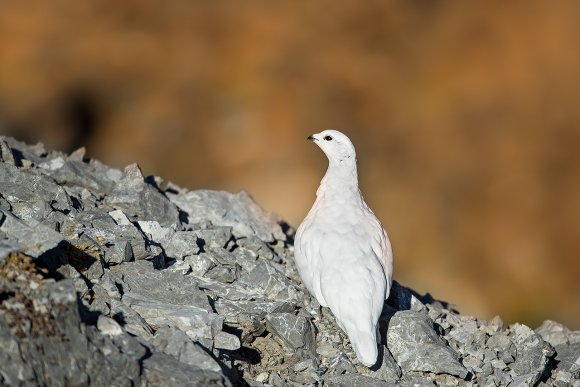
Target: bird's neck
x,y
341,178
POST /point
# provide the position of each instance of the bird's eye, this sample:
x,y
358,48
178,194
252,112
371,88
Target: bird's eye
x,y
327,138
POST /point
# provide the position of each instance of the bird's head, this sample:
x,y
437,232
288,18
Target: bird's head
x,y
335,145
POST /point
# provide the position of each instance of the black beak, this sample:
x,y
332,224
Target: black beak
x,y
311,138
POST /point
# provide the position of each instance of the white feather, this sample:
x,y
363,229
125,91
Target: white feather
x,y
342,251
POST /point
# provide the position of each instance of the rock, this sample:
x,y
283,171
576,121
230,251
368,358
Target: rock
x,y
224,340
90,175
416,381
553,332
34,154
266,281
164,370
33,238
162,286
241,310
499,341
526,380
32,195
532,354
198,323
175,244
341,364
262,377
139,198
130,320
295,331
416,346
212,237
568,358
238,211
354,380
108,326
389,370
120,218
199,264
6,154
60,338
176,343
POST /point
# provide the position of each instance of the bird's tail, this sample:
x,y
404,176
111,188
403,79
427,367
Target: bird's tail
x,y
364,343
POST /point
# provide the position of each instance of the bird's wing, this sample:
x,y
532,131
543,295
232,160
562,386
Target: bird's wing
x,y
381,246
306,254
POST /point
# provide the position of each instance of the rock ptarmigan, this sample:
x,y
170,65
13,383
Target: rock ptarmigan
x,y
342,251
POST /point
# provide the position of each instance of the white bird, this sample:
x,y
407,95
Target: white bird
x,y
342,251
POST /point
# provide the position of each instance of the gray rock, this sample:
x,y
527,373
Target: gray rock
x,y
93,176
33,237
416,346
119,243
120,218
136,197
341,364
295,331
164,370
224,267
157,257
22,152
163,286
416,381
181,244
247,259
130,320
198,323
176,244
6,154
354,380
31,194
532,352
563,379
176,343
224,340
553,332
60,338
234,311
238,211
212,237
199,264
265,280
389,370
258,247
108,326
568,358
526,380
499,341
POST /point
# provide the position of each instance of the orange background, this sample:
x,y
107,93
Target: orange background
x,y
465,117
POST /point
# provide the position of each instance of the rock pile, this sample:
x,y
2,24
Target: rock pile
x,y
108,277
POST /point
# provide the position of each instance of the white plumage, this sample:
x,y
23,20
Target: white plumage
x,y
342,251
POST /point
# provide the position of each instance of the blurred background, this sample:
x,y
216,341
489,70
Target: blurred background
x,y
465,117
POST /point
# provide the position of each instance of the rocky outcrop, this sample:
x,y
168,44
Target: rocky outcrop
x,y
108,277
